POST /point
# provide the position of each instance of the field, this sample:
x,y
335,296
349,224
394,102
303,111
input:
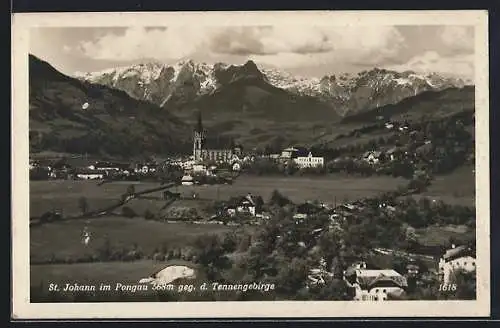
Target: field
x,y
64,194
456,188
63,239
440,235
329,189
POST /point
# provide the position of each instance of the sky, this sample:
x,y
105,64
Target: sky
x,y
312,51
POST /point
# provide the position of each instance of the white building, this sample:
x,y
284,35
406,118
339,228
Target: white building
x,y
374,285
372,157
187,180
289,153
90,175
309,161
236,166
199,168
456,258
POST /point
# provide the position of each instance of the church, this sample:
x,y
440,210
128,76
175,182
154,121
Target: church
x,y
210,149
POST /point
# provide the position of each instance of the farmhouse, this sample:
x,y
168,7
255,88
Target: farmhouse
x,y
199,168
145,168
392,153
412,269
374,285
187,180
236,166
244,205
372,157
33,164
457,258
289,153
305,210
105,166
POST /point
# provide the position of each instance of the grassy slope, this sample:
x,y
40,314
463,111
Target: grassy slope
x,y
436,236
112,122
458,187
430,104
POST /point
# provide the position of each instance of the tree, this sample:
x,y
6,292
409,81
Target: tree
x,y
131,189
210,254
278,199
332,290
292,277
83,205
104,252
466,284
229,243
148,215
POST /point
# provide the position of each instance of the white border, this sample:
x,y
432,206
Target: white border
x,y
23,309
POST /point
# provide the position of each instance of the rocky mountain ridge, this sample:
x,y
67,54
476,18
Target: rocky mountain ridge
x,y
346,93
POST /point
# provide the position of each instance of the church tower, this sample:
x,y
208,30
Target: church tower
x,y
198,138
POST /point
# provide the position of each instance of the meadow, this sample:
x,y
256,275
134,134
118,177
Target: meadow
x,y
456,188
328,189
65,194
64,239
440,235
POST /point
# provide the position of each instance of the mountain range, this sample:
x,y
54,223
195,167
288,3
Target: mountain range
x,y
151,108
175,86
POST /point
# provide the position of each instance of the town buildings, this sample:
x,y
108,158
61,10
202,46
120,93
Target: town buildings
x,y
300,159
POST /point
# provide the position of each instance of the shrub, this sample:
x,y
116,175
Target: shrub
x,y
128,212
148,215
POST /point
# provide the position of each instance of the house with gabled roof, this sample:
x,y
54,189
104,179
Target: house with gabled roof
x,y
306,209
248,204
374,284
457,258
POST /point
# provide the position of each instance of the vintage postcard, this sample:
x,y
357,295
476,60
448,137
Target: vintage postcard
x,y
250,164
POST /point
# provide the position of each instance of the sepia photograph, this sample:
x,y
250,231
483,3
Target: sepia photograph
x,y
229,157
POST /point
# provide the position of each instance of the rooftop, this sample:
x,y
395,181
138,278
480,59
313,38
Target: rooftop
x,y
457,252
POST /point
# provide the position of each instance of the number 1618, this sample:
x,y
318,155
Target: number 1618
x,y
447,287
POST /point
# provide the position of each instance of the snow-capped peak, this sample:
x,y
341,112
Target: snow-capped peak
x,y
158,82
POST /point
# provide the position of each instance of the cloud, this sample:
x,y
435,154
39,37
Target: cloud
x,y
431,61
447,50
139,43
67,49
277,42
458,38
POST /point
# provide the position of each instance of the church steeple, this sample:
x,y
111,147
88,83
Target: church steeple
x,y
199,136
